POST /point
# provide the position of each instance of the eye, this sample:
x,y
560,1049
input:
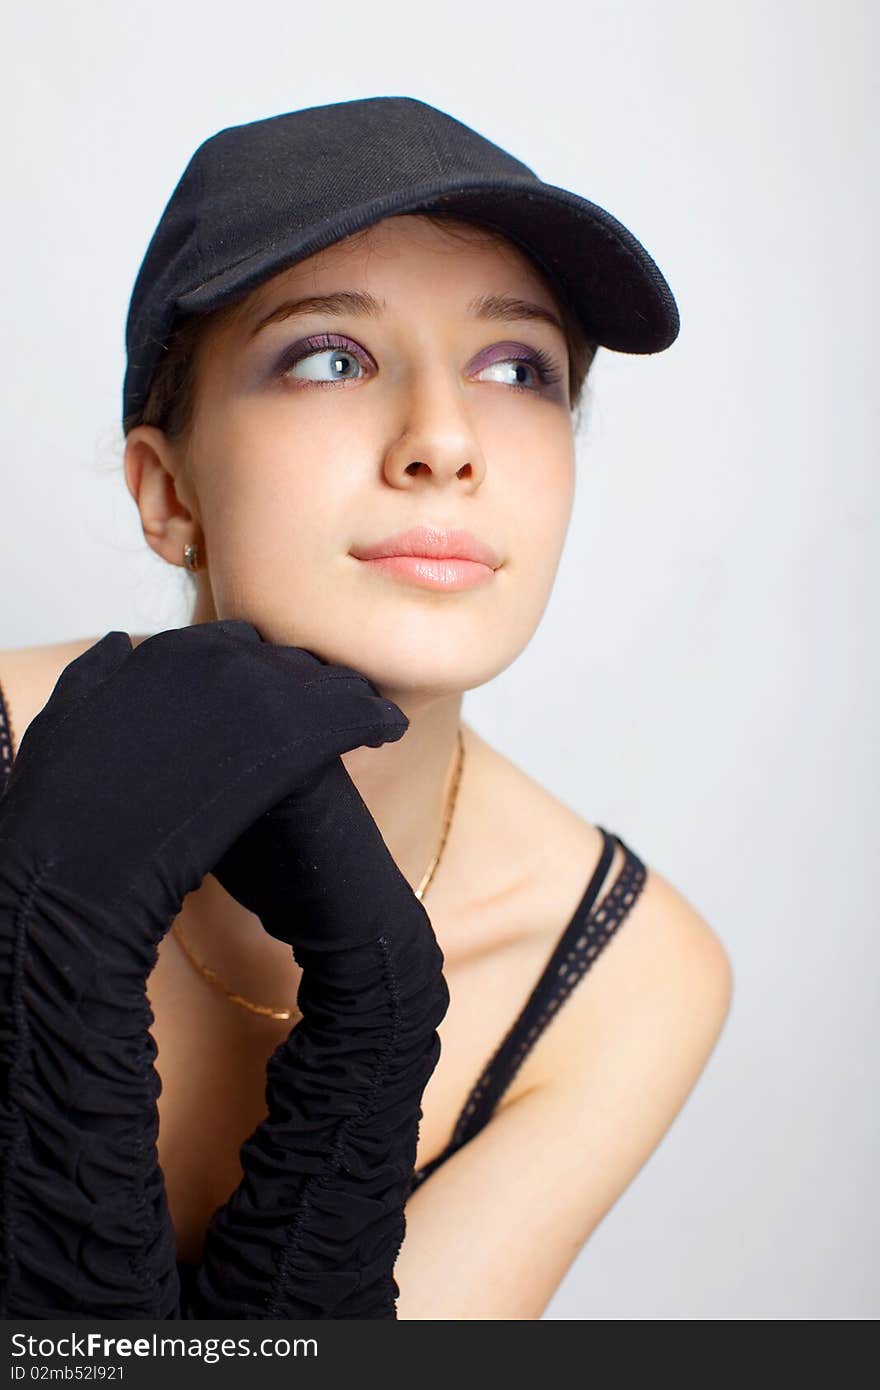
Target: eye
x,y
538,364
320,354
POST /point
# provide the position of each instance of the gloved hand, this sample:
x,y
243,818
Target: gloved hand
x,y
142,770
315,1226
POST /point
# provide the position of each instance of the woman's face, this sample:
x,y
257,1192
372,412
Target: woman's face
x,y
321,433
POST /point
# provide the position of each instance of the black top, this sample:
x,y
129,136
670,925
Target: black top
x,y
588,931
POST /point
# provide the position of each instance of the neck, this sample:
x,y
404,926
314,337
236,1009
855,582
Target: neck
x,y
406,785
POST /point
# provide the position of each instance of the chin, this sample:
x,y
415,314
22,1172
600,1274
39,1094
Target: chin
x,y
408,683
412,658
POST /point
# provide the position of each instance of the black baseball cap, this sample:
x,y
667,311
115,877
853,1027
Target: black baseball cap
x,y
257,197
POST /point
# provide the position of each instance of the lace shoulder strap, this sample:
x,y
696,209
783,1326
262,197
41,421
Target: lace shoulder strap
x,y
5,743
589,930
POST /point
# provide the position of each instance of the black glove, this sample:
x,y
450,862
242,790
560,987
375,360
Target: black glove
x,y
315,1226
142,770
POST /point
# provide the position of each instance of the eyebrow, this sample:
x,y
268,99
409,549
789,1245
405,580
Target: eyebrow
x,y
503,308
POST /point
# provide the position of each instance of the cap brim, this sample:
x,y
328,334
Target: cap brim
x,y
612,284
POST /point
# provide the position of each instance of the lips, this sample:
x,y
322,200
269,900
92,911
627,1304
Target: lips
x,y
431,542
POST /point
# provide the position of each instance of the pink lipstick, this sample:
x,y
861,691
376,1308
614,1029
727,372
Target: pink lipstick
x,y
432,557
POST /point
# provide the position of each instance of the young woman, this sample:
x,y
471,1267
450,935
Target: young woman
x,y
366,451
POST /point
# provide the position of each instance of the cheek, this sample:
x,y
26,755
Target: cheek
x,y
263,489
272,525
538,528
542,490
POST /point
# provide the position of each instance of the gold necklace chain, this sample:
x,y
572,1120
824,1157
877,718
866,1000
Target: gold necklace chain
x,y
286,1014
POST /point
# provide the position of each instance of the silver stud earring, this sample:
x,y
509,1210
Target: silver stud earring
x,y
191,556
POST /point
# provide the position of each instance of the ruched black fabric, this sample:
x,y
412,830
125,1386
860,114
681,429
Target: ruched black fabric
x,y
91,1196
85,1225
101,836
315,1226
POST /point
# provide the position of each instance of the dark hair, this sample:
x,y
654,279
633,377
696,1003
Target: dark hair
x,y
170,404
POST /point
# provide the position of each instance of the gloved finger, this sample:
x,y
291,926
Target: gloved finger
x,y
356,716
76,682
315,868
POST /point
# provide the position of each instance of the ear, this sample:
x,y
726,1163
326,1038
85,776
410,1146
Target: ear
x,y
157,478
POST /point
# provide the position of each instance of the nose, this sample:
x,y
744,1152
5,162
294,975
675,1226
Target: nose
x,y
437,443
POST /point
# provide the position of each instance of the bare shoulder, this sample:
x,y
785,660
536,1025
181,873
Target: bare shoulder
x,y
28,676
606,1077
664,967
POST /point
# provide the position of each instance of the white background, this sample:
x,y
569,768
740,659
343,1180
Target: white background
x,y
702,681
